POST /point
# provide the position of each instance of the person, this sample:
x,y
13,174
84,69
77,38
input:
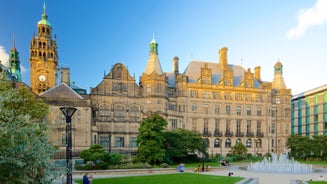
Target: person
x,y
230,174
90,179
86,179
321,178
181,167
223,163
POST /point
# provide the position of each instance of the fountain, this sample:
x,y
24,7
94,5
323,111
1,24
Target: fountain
x,y
280,164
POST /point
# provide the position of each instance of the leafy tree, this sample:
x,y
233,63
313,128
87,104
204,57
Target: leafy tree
x,y
113,159
150,140
25,149
300,146
239,149
181,143
95,153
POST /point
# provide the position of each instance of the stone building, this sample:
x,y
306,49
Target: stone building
x,y
309,112
224,102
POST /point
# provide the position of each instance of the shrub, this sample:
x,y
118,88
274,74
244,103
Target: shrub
x,y
164,165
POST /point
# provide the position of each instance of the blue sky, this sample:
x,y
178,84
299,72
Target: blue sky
x,y
94,35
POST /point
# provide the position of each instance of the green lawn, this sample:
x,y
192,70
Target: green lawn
x,y
317,182
178,178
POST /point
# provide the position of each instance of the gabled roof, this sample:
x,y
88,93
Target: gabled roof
x,y
61,91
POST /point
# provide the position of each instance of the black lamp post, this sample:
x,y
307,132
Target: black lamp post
x,y
68,112
202,155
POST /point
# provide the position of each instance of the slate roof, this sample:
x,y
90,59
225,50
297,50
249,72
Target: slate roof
x,y
193,71
61,91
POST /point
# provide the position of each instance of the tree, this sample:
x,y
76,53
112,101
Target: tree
x,y
300,146
150,140
239,149
181,143
25,149
95,153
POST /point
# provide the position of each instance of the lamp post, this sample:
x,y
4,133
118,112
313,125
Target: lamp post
x,y
202,155
276,132
68,112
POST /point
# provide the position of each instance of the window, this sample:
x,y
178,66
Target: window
x,y
95,141
248,143
228,96
206,125
194,93
217,109
259,143
173,124
104,113
119,142
248,110
238,110
228,143
228,109
134,111
104,141
119,112
205,94
205,108
258,126
238,126
159,87
148,87
258,111
248,125
132,142
238,140
217,143
216,95
194,107
238,96
217,124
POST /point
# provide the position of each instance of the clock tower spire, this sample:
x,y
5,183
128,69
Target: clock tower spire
x,y
43,57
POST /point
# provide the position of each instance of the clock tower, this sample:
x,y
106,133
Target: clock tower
x,y
43,57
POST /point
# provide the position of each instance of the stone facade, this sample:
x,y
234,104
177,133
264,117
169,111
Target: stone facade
x,y
224,102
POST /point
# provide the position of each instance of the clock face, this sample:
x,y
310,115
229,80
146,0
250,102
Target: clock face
x,y
42,78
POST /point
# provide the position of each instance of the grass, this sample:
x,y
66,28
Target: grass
x,y
317,182
178,178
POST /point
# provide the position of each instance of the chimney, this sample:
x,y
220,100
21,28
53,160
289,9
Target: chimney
x,y
257,73
223,56
175,65
65,76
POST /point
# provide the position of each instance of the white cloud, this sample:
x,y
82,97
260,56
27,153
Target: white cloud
x,y
4,57
316,15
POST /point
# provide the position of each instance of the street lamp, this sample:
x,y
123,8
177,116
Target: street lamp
x,y
68,112
202,155
276,132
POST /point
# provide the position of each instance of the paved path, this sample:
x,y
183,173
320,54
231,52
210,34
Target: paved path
x,y
271,178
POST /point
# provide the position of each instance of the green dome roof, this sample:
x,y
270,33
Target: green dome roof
x,y
44,20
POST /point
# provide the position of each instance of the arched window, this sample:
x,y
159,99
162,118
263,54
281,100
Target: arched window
x,y
259,143
238,140
119,112
217,143
228,143
248,143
